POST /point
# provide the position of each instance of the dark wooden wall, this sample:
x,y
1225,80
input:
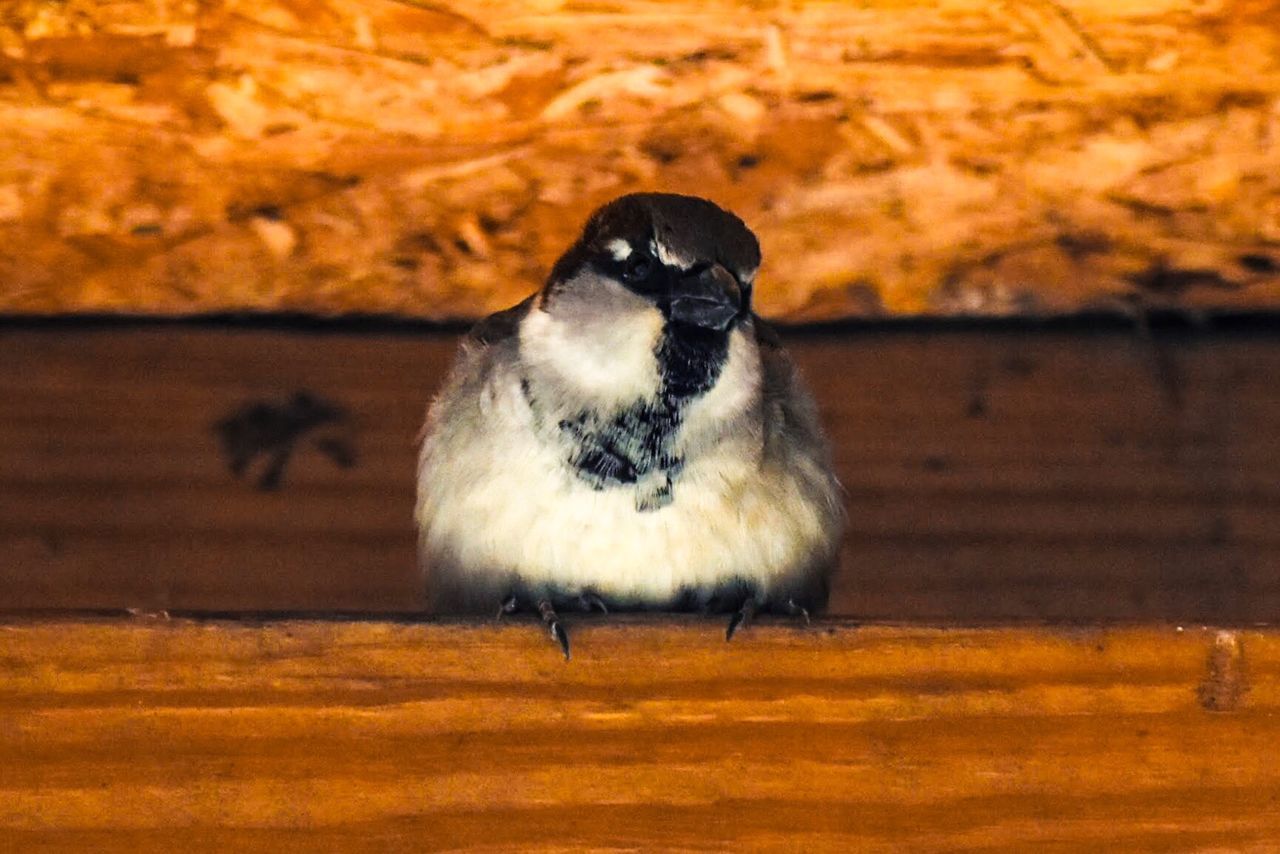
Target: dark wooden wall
x,y
992,474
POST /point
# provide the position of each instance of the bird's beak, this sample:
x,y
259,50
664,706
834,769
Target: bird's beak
x,y
710,298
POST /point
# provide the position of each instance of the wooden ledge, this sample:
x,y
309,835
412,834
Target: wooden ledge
x,y
371,736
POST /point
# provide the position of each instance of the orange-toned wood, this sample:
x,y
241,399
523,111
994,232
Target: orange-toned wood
x,y
307,736
990,475
432,159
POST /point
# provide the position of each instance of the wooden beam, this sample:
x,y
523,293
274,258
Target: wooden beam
x,y
375,736
432,159
990,475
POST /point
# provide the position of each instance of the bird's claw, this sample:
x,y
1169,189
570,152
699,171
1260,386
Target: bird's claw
x,y
795,609
552,621
740,618
561,635
507,606
590,601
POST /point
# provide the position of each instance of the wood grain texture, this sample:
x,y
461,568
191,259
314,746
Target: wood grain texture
x,y
990,475
432,159
306,736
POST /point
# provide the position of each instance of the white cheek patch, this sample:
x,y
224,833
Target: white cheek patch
x,y
736,390
669,257
619,249
597,339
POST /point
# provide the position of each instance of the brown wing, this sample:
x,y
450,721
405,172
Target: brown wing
x,y
501,325
791,416
766,335
794,440
473,362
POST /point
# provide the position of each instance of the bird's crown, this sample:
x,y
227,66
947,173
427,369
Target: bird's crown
x,y
679,232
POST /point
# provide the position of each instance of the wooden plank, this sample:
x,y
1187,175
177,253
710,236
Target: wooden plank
x,y
991,475
303,736
432,159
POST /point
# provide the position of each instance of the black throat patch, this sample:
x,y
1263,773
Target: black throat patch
x,y
635,446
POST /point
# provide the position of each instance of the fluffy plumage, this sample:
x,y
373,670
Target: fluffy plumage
x,y
632,432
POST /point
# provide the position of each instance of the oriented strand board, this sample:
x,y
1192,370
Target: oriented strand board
x,y
431,159
375,737
990,475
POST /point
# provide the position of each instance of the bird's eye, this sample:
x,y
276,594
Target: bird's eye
x,y
638,268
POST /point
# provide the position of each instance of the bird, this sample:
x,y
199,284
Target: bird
x,y
631,437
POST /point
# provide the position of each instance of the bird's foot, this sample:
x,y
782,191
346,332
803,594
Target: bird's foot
x,y
795,609
551,620
589,602
507,606
740,617
547,612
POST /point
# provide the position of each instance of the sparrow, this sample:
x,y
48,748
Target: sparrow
x,y
632,437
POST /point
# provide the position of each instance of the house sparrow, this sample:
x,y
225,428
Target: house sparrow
x,y
631,437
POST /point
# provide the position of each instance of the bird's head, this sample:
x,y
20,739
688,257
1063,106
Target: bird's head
x,y
648,299
689,259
